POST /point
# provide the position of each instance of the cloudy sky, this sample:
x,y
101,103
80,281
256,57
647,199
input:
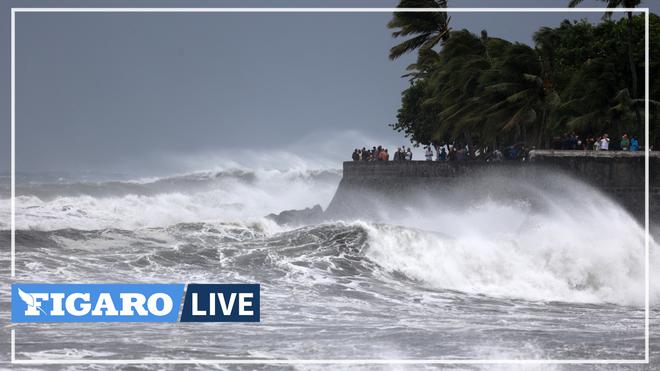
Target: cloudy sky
x,y
152,92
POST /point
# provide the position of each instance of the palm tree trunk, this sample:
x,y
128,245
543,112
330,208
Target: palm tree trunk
x,y
633,72
541,133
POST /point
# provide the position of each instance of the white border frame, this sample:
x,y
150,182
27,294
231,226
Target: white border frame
x,y
645,11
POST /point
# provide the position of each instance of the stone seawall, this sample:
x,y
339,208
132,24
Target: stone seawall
x,y
618,174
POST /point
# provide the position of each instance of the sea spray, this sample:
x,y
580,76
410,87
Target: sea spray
x,y
229,196
548,238
551,238
524,266
450,273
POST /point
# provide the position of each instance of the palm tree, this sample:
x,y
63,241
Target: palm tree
x,y
488,90
455,78
631,63
594,104
547,42
426,28
426,60
517,103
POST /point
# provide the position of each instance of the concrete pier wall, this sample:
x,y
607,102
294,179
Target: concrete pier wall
x,y
618,174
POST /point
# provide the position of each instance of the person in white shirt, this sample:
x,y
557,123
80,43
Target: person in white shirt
x,y
429,153
605,143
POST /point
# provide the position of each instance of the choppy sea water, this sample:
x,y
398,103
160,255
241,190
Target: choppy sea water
x,y
497,279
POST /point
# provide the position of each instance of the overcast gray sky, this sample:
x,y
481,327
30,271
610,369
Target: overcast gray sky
x,y
131,91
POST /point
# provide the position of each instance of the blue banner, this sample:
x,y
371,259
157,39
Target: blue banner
x,y
69,302
96,302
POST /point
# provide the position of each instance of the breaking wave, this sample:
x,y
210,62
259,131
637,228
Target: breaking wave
x,y
568,243
233,195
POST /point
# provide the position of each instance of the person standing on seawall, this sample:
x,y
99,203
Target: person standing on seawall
x,y
429,153
625,143
634,144
442,156
605,143
408,154
589,144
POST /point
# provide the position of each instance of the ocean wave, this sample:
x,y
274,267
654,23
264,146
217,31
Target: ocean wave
x,y
197,181
563,241
228,196
526,266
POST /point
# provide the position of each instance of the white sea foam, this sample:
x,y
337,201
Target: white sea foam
x,y
218,199
574,245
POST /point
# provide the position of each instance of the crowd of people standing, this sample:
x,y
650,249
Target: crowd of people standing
x,y
599,143
381,154
456,152
442,152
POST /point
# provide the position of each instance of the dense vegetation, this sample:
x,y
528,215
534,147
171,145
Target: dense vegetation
x,y
487,91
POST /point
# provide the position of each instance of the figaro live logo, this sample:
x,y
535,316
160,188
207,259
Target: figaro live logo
x,y
135,302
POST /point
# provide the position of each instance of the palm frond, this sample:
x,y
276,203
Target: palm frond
x,y
502,87
582,122
533,78
523,116
519,96
408,45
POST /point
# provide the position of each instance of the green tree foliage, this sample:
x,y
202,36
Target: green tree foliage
x,y
492,92
425,29
630,39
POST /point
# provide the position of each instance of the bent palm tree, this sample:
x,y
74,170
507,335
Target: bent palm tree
x,y
426,28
